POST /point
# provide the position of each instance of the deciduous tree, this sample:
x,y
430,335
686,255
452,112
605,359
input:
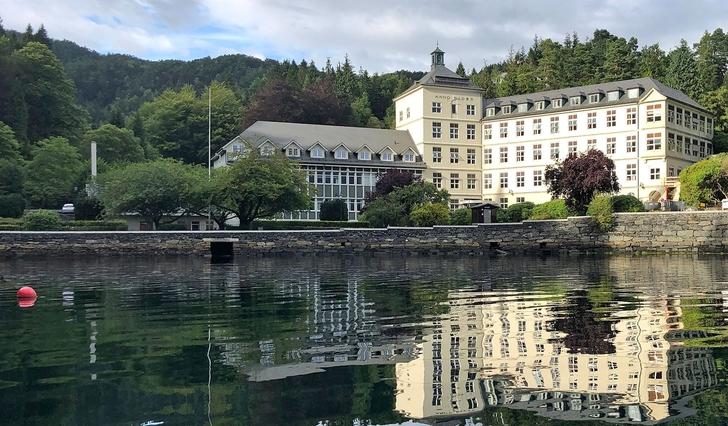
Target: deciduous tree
x,y
53,173
580,177
114,144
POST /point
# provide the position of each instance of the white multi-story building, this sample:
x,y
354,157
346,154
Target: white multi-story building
x,y
649,130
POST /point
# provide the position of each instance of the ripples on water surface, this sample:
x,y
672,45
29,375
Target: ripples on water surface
x,y
351,341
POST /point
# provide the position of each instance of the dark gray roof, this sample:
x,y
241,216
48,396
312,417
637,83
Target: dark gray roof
x,y
441,75
645,83
330,137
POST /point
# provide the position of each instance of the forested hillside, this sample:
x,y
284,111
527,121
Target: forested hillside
x,y
56,97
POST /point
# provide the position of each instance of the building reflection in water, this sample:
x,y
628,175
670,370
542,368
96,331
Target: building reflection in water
x,y
506,351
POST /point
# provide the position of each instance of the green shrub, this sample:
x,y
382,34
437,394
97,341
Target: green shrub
x,y
462,216
11,224
87,208
554,209
95,225
515,212
42,220
305,224
172,227
334,210
11,205
383,212
601,210
430,214
627,203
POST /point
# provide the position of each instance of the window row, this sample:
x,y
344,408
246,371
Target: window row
x,y
689,146
537,151
689,119
437,108
455,157
554,123
560,102
470,181
454,131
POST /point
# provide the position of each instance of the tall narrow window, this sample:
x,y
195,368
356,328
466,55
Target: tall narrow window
x,y
536,126
436,154
519,128
504,154
591,120
436,130
454,155
453,131
487,156
470,132
612,118
554,125
520,153
554,150
504,130
631,116
487,131
537,151
471,156
572,122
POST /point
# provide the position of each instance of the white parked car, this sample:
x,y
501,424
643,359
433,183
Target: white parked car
x,y
724,204
67,209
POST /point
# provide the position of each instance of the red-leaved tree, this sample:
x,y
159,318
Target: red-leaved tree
x,y
580,177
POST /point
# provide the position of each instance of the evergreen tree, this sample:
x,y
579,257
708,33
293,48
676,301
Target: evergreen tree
x,y
620,60
710,63
551,67
346,81
681,73
41,36
652,62
460,70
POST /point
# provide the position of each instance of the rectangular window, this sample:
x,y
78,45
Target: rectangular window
x,y
408,112
520,199
591,144
536,126
471,156
695,121
470,131
341,154
506,109
538,178
401,115
520,153
436,107
633,93
671,113
453,108
487,131
572,147
679,117
408,157
654,113
437,179
487,156
504,180
612,118
631,144
436,130
504,204
519,128
591,120
557,103
554,150
504,154
490,112
631,116
613,96
472,181
520,179
453,131
537,151
436,154
594,98
487,181
611,146
503,130
655,174
454,180
522,107
470,109
293,151
386,156
671,141
454,155
554,125
574,100
671,172
654,141
539,105
572,122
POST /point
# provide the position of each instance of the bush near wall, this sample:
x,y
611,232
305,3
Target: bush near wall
x,y
627,204
305,224
601,210
8,224
334,210
462,216
42,220
515,212
430,214
554,209
11,205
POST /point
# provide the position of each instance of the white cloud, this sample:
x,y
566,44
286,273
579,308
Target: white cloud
x,y
380,35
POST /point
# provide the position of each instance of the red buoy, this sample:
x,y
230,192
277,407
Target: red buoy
x,y
26,297
27,292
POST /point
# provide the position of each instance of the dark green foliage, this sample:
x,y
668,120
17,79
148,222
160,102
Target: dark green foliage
x,y
305,224
554,209
394,209
12,177
334,210
94,225
87,208
705,182
430,214
42,220
461,216
580,177
515,212
601,210
113,144
53,173
627,204
11,205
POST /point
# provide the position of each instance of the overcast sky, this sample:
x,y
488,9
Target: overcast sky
x,y
379,35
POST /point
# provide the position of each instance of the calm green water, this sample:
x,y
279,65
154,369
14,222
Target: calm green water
x,y
355,341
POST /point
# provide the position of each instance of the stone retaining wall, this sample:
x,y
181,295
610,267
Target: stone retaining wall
x,y
651,232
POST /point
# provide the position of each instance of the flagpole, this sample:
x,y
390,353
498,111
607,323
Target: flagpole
x,y
209,148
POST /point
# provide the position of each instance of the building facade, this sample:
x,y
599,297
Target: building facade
x,y
340,162
498,149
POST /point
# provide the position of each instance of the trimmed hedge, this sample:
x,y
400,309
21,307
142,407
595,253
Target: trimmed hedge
x,y
461,216
334,210
554,209
7,224
430,214
42,220
515,212
305,224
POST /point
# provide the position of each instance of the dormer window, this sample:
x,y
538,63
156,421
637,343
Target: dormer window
x,y
540,105
293,151
490,112
266,150
386,155
613,95
594,98
633,93
341,153
237,148
522,107
575,100
408,157
317,152
506,109
364,155
557,103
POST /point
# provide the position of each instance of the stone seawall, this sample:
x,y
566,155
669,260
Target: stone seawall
x,y
649,232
